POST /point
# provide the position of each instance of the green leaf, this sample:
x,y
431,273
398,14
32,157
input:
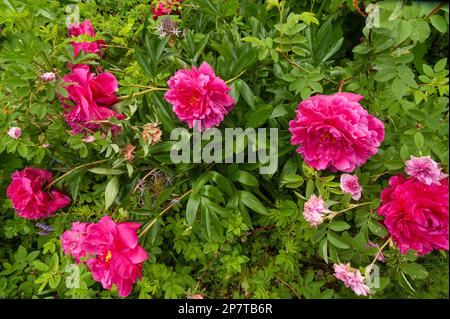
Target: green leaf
x,y
246,93
337,241
377,229
39,265
339,225
323,248
385,74
439,23
415,270
440,65
111,191
105,171
419,139
245,178
252,202
192,207
292,180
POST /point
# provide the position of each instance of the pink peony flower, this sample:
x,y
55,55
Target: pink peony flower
x,y
84,28
350,185
15,132
351,278
313,210
79,28
416,214
86,47
199,97
48,76
165,7
28,196
111,250
73,240
335,132
90,98
424,169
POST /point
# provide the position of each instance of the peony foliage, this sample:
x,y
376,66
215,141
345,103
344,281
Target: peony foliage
x,y
92,204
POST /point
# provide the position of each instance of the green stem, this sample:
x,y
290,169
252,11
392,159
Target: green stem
x,y
142,92
236,77
72,170
379,253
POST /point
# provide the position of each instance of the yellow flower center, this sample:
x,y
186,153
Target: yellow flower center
x,y
108,256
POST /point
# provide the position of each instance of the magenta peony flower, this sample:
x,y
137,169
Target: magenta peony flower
x,y
424,169
48,76
166,7
336,132
28,196
92,96
350,185
199,97
416,214
313,210
15,132
111,250
351,278
84,28
79,28
86,47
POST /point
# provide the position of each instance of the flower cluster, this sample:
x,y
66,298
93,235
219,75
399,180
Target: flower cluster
x,y
110,251
90,97
29,197
335,132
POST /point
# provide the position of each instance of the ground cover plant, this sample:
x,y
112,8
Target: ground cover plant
x,y
118,180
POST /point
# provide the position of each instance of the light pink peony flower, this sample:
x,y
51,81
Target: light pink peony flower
x,y
199,97
73,240
15,132
335,132
89,139
351,278
313,210
416,214
424,169
28,196
166,7
350,185
90,98
48,76
111,250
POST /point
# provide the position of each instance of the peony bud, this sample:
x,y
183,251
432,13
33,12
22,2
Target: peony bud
x,y
15,132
